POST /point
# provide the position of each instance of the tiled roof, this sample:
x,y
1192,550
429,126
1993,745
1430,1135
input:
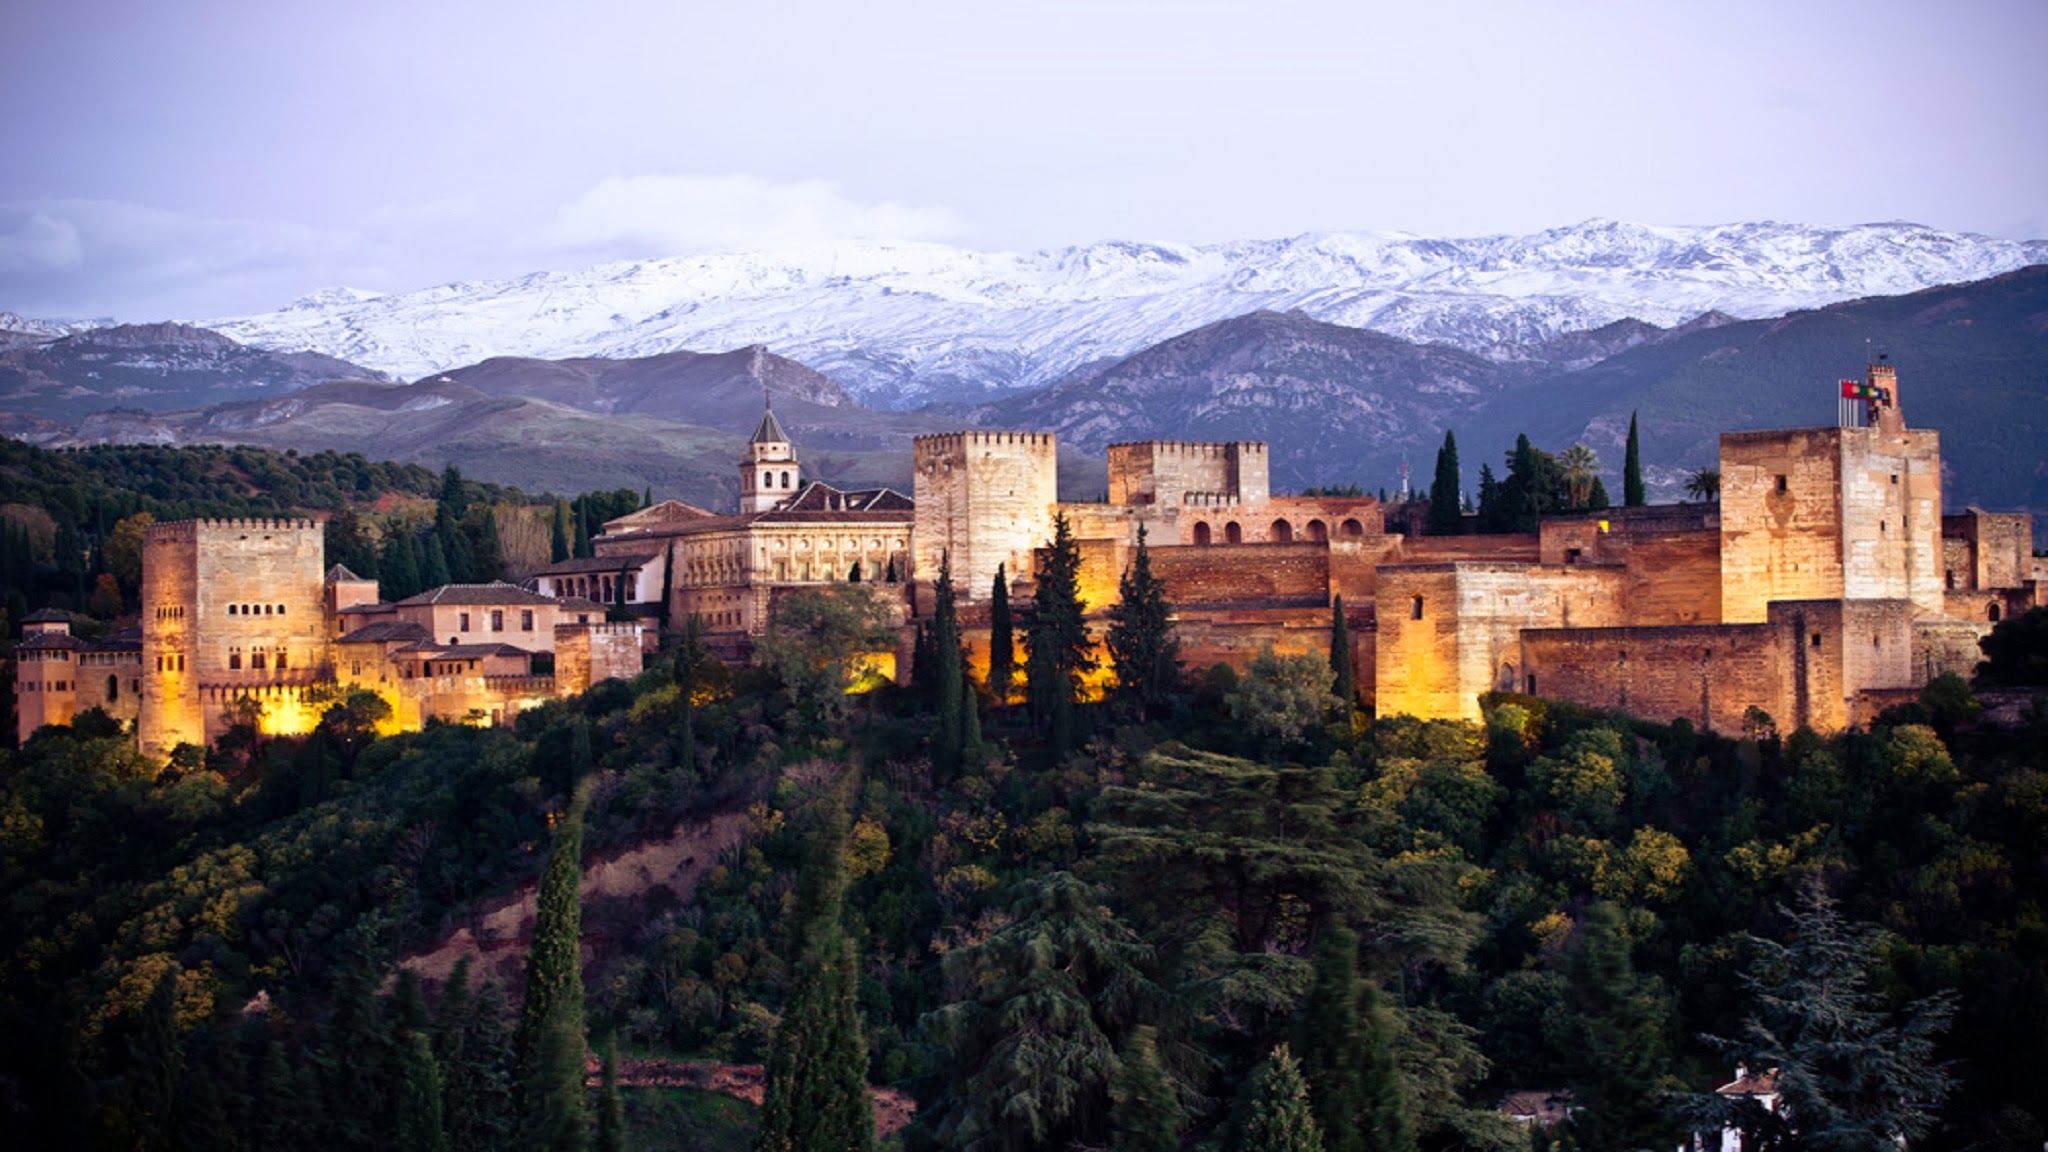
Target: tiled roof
x,y
49,642
495,593
1543,1108
430,651
601,564
127,639
47,616
769,430
339,573
367,609
386,632
579,604
1748,1083
821,497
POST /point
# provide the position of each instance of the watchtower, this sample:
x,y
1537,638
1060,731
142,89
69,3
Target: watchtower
x,y
984,499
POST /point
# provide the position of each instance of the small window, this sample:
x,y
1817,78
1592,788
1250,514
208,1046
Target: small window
x,y
113,688
1415,609
1781,484
1572,555
1880,527
1816,640
234,661
497,619
462,621
1993,614
280,609
1532,683
526,620
280,659
256,661
1895,478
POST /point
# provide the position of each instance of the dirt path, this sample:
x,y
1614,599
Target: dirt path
x,y
893,1109
496,933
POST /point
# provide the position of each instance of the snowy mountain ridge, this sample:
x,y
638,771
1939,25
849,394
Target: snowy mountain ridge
x,y
902,324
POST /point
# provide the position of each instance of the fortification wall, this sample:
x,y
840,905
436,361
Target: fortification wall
x,y
170,714
1891,493
1709,675
1987,549
1781,519
587,654
1236,636
1948,645
1449,632
984,497
1280,574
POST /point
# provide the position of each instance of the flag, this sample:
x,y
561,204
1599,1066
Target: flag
x,y
1857,390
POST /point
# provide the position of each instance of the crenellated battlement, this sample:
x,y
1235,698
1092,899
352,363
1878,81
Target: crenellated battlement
x,y
190,529
956,441
600,628
1210,500
1208,448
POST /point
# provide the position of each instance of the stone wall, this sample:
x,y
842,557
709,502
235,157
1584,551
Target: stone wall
x,y
1282,575
1163,472
1829,513
587,654
984,497
1982,550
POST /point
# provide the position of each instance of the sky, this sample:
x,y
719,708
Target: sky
x,y
220,157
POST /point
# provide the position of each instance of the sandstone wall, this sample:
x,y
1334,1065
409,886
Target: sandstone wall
x,y
1987,549
1162,472
587,654
1283,575
984,497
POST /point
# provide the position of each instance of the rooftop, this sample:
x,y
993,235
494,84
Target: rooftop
x,y
602,564
386,632
494,593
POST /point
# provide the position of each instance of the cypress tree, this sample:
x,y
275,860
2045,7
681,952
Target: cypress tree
x,y
1492,515
1002,641
487,562
558,539
1597,499
1525,486
947,671
816,1098
277,1113
1444,517
1141,642
454,547
1344,684
1333,1044
1385,1116
972,750
647,497
1056,638
397,575
479,1110
1277,1117
1632,468
611,1109
1145,1114
156,1065
419,1100
435,571
583,549
356,1059
550,1045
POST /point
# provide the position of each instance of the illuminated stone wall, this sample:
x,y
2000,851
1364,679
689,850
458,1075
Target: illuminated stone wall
x,y
985,498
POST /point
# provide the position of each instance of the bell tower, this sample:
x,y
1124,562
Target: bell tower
x,y
768,472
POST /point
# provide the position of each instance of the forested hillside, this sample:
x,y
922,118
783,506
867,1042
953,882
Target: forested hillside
x,y
1057,921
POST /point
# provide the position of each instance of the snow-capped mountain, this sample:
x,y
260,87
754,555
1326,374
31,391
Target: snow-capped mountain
x,y
904,324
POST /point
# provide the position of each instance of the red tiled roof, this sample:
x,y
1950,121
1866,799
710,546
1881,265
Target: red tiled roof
x,y
495,593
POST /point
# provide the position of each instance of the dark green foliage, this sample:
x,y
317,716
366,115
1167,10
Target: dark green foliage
x,y
611,1107
435,572
1444,516
1615,1030
816,1094
550,1044
1597,500
1031,1035
1277,1116
1056,638
1346,1058
419,1101
1850,1077
558,538
398,571
1344,679
1145,1114
1142,646
1632,494
946,672
1493,516
1002,643
2016,651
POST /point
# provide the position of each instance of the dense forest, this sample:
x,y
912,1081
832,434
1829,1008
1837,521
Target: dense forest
x,y
1204,910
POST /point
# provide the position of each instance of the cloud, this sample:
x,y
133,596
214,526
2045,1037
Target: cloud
x,y
661,215
85,258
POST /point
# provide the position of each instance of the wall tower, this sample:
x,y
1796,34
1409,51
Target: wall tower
x,y
984,498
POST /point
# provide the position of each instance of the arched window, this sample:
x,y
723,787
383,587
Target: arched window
x,y
1318,531
1352,528
1283,532
234,661
1994,614
1232,534
1202,535
785,479
1415,609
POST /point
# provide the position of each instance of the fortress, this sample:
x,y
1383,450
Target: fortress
x,y
1825,584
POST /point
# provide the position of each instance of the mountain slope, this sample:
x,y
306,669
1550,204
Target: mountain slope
x,y
906,324
149,366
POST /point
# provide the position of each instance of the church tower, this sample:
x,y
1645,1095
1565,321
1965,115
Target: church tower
x,y
768,472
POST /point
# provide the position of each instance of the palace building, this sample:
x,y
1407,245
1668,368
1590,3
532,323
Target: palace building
x,y
1826,583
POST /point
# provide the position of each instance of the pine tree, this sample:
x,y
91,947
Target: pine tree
x,y
816,1098
1492,516
479,1111
1346,1056
1851,1075
1444,517
356,1058
611,1108
1344,684
1142,645
1386,1121
277,1113
1597,499
1146,1115
419,1101
1002,641
1277,1116
558,539
1632,468
550,1043
1056,638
